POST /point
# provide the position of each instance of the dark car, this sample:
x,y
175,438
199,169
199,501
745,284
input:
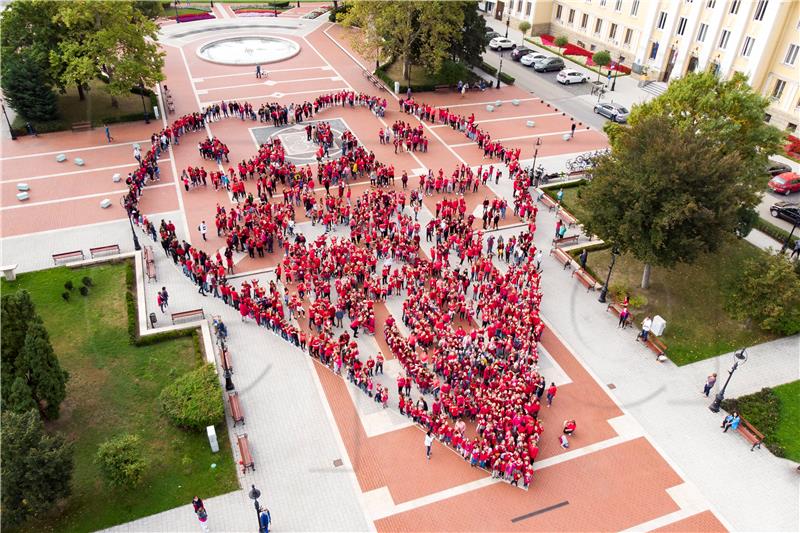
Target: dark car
x,y
491,35
775,168
551,64
520,51
788,211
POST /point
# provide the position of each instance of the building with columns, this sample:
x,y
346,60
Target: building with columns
x,y
662,40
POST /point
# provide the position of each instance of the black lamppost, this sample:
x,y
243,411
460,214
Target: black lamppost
x,y
739,357
499,71
136,245
229,386
616,71
604,290
789,238
10,129
144,107
508,22
254,494
177,17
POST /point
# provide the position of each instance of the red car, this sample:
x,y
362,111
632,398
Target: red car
x,y
785,183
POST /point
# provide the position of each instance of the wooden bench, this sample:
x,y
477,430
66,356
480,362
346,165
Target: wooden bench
x,y
150,263
236,408
81,126
562,257
191,314
585,278
548,202
567,218
616,309
571,239
64,256
656,345
246,458
104,249
748,431
227,362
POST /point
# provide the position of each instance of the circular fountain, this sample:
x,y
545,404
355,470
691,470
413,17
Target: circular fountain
x,y
248,50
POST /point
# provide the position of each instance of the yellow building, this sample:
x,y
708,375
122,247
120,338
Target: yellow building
x,y
662,40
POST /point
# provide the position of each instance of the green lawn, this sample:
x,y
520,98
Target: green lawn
x,y
788,432
691,298
113,388
570,201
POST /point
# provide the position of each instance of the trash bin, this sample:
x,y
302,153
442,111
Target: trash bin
x,y
153,320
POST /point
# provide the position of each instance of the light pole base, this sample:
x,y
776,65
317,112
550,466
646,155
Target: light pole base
x,y
716,404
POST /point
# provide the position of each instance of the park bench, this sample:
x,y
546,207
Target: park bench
x,y
114,248
567,218
749,432
66,256
227,362
576,173
150,263
81,126
585,278
571,239
548,202
656,345
246,458
616,309
562,257
191,314
236,408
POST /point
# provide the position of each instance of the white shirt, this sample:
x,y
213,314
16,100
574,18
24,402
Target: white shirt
x,y
428,440
646,324
203,228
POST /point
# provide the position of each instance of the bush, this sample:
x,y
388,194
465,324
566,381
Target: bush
x,y
68,285
194,400
65,296
342,9
505,78
84,291
779,234
451,72
121,460
487,68
87,281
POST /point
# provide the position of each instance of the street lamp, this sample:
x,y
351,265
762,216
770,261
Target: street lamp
x,y
508,22
136,245
604,290
254,495
229,386
177,17
789,238
739,357
616,72
499,71
10,129
144,107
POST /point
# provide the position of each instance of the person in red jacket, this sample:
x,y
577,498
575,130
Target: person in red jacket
x,y
551,393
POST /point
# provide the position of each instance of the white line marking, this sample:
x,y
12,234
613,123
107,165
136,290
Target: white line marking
x,y
490,102
248,73
513,138
74,172
263,83
98,147
73,198
512,118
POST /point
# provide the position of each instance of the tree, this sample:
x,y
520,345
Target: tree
x,y
561,41
468,46
108,39
768,293
664,194
28,88
524,26
601,58
153,9
194,400
16,313
36,467
39,366
369,40
121,460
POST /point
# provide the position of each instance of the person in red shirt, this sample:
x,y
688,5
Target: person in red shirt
x,y
551,393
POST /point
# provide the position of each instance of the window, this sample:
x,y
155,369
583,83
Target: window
x,y
791,54
761,8
747,47
791,127
701,33
682,26
777,92
628,36
598,25
662,20
602,3
584,21
612,33
519,6
635,8
511,5
618,6
711,4
723,39
767,117
528,9
653,50
735,7
558,11
571,16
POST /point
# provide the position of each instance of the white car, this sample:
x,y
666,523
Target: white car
x,y
529,59
501,43
569,76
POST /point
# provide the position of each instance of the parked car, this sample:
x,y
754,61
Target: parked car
x,y
785,183
519,52
501,43
788,211
569,76
775,168
529,59
549,64
612,111
492,34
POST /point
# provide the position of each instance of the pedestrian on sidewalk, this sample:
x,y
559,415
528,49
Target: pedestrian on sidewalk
x,y
624,315
560,195
538,258
108,133
710,381
551,393
569,427
583,257
163,299
795,250
558,227
258,71
203,229
646,325
731,422
200,511
264,520
428,443
572,133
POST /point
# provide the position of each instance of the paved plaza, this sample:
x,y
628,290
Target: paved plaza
x,y
648,454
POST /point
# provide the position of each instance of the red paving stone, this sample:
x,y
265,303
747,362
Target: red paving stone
x,y
705,522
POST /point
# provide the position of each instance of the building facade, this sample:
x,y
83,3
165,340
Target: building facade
x,y
662,40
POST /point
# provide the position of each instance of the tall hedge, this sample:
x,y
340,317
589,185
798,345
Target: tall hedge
x,y
194,400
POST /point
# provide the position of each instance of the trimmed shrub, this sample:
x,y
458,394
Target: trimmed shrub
x,y
763,410
194,400
121,460
505,78
65,296
487,68
84,291
68,285
87,281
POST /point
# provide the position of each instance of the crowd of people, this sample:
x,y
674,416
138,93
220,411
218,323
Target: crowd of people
x,y
473,329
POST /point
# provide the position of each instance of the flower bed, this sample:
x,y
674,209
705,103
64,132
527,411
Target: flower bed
x,y
792,147
574,53
316,13
194,16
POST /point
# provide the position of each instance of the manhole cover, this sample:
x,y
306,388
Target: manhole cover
x,y
338,462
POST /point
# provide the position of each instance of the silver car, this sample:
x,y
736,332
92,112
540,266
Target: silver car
x,y
615,112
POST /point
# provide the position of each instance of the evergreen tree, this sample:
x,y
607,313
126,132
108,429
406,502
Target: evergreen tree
x,y
39,366
27,87
16,312
36,467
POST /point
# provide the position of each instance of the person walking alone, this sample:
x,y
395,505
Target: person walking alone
x,y
428,443
203,229
712,379
108,133
258,71
264,520
551,393
163,299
